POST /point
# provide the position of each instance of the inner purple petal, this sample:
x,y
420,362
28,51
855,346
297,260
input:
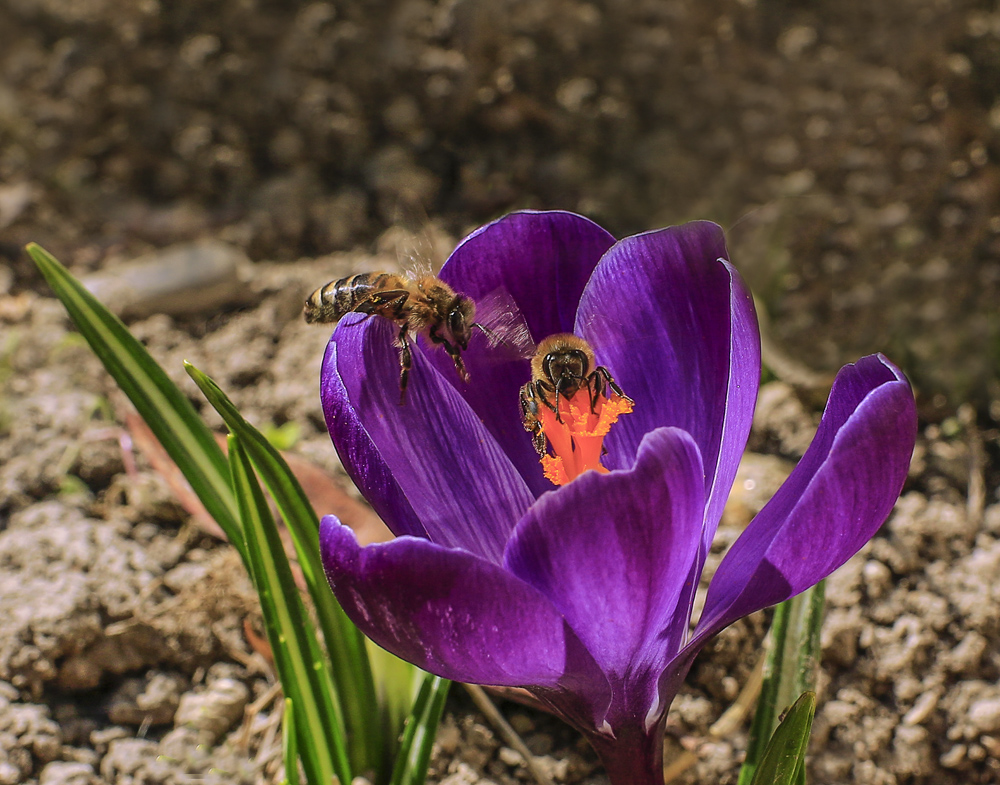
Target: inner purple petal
x,y
543,259
676,328
458,481
540,262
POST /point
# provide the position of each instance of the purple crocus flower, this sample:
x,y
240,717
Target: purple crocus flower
x,y
583,594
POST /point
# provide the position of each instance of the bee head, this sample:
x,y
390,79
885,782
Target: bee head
x,y
461,315
566,367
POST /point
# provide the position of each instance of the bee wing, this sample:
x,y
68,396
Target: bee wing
x,y
420,244
503,324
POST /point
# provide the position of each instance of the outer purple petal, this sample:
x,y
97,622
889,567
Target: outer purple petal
x,y
676,326
458,616
834,501
543,261
613,553
359,456
459,483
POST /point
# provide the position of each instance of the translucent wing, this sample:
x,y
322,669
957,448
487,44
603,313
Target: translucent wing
x,y
419,244
501,321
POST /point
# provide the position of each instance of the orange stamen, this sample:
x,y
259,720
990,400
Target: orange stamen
x,y
577,441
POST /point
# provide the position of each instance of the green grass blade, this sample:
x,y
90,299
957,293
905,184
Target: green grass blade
x,y
789,671
351,669
398,683
290,745
161,404
297,657
783,761
414,753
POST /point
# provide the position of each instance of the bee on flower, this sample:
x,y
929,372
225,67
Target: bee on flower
x,y
571,403
421,305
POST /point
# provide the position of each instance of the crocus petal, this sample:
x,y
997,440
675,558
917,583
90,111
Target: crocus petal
x,y
457,615
834,501
459,483
675,324
542,260
613,552
360,458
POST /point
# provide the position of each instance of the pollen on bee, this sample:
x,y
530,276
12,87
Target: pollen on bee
x,y
577,441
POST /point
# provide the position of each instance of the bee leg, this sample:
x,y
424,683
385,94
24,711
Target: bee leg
x,y
539,388
456,357
611,383
538,440
529,407
405,363
595,384
529,417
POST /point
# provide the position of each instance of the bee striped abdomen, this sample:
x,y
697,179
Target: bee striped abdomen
x,y
369,293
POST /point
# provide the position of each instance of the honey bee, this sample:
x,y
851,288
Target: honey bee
x,y
423,305
563,364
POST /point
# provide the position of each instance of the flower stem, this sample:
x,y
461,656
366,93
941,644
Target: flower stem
x,y
634,757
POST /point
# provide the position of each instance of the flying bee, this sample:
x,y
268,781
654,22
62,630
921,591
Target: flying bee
x,y
423,305
562,365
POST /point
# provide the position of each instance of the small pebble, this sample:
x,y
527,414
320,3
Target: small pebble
x,y
522,724
953,757
922,709
216,709
63,773
510,757
985,715
184,279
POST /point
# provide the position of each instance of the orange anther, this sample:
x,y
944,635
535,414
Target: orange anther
x,y
578,440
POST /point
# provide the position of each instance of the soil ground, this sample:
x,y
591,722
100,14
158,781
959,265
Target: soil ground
x,y
851,148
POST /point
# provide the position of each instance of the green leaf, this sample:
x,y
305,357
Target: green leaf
x,y
414,753
783,761
789,671
290,746
398,684
355,688
161,404
297,656
282,437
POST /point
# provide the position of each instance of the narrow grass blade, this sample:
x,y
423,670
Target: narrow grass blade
x,y
398,683
790,669
414,753
290,745
297,656
783,761
160,403
351,670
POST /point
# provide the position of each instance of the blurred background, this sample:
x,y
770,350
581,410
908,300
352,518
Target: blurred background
x,y
849,147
